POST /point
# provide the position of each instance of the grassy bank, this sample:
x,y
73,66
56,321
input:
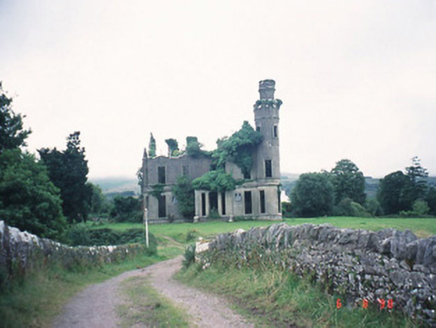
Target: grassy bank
x,y
274,298
38,299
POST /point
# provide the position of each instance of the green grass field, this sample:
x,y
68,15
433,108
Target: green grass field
x,y
178,231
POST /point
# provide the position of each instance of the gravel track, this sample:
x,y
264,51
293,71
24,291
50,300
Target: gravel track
x,y
95,306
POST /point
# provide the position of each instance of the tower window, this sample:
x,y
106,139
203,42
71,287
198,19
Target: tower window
x,y
275,131
268,168
262,201
247,202
161,178
258,128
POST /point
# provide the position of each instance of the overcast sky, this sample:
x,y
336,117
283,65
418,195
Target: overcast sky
x,y
357,78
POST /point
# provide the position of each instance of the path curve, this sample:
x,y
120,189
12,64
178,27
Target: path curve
x,y
95,306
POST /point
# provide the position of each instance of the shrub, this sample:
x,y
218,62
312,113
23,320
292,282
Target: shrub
x,y
189,256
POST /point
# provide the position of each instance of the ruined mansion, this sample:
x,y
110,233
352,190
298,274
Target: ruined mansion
x,y
255,196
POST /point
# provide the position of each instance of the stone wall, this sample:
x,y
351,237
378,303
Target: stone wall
x,y
358,264
21,252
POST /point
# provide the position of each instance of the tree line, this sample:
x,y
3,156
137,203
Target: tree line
x,y
341,192
45,196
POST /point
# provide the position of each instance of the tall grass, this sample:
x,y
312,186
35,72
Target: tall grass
x,y
277,298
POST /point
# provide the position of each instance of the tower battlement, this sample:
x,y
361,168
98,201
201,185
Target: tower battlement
x,y
267,89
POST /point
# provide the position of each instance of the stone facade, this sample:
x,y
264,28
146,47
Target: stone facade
x,y
257,198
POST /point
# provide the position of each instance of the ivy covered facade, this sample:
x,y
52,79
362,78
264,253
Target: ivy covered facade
x,y
240,179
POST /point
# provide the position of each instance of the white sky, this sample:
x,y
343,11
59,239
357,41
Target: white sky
x,y
357,78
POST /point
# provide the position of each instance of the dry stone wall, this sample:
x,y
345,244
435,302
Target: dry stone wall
x,y
22,251
359,264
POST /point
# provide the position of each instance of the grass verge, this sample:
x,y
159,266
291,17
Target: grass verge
x,y
36,300
180,231
146,308
276,298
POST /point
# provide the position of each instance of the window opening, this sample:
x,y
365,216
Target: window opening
x,y
262,201
162,206
223,203
275,131
203,204
268,168
247,201
161,178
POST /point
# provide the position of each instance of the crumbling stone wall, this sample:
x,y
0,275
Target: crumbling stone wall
x,y
360,264
22,251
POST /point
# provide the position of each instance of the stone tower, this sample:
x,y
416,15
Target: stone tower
x,y
266,117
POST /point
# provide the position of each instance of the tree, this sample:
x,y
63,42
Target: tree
x,y
12,134
430,198
97,199
126,209
418,178
28,199
348,182
313,195
68,170
393,193
184,193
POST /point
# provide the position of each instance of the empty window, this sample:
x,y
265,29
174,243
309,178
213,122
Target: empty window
x,y
268,168
161,178
275,131
203,204
223,203
262,201
247,202
213,201
185,170
162,206
247,175
258,128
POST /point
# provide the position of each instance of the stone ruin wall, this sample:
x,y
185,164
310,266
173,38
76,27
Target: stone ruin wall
x,y
21,252
360,264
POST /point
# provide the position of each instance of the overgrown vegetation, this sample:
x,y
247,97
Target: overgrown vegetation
x,y
238,148
274,297
184,193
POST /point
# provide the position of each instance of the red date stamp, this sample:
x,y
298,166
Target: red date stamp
x,y
381,303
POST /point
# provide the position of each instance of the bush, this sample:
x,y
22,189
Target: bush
x,y
189,256
347,207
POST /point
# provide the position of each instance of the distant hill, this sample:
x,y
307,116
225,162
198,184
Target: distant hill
x,y
117,185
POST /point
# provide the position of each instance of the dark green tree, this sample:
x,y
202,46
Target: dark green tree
x,y
184,193
68,170
126,209
12,134
418,178
97,199
313,195
348,182
430,198
393,194
28,199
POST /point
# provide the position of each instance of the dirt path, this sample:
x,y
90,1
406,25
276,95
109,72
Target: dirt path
x,y
96,306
